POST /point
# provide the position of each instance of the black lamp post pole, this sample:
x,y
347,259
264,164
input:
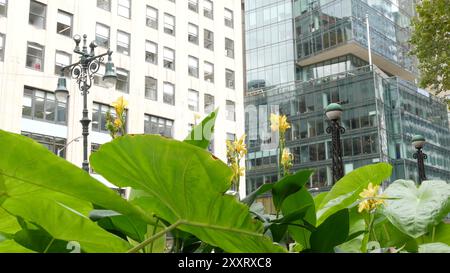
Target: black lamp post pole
x,y
420,156
335,129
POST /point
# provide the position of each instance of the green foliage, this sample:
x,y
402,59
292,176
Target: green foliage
x,y
431,40
201,134
288,185
346,191
185,187
417,210
332,232
434,248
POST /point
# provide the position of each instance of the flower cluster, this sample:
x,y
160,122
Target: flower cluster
x,y
280,124
286,159
371,199
116,123
236,151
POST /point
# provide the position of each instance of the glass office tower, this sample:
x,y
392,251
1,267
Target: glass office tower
x,y
302,55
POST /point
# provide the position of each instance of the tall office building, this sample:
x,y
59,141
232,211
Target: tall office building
x,y
305,54
173,59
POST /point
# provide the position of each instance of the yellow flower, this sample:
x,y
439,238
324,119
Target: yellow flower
x,y
371,199
120,105
286,158
237,170
240,147
279,123
118,123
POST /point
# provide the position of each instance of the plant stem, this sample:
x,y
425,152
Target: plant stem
x,y
433,233
153,234
154,237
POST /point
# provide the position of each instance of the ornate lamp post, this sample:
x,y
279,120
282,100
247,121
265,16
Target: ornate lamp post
x,y
334,113
418,141
84,72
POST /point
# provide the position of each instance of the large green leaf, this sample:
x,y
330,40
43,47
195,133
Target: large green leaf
x,y
442,233
389,236
249,199
186,185
29,165
288,185
332,232
346,191
414,210
11,246
201,134
8,223
62,224
434,248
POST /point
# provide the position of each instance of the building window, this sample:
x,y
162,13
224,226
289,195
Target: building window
x,y
231,110
209,103
193,5
123,80
169,58
169,93
151,52
55,145
99,114
231,137
193,66
3,7
62,59
43,105
193,100
209,72
152,17
35,56
229,48
104,4
123,42
151,88
193,33
123,8
169,24
64,25
102,35
208,9
208,39
2,47
229,78
158,126
37,14
229,20
98,77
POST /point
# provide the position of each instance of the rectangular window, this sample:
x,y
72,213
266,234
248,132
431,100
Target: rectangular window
x,y
151,88
43,105
98,77
38,12
124,8
209,103
229,78
62,59
3,7
231,136
151,52
35,56
193,5
208,39
123,80
152,17
64,25
53,144
169,93
193,66
229,20
356,146
209,72
102,35
99,114
193,100
231,110
208,9
104,4
169,24
169,58
158,126
2,47
229,48
123,42
193,33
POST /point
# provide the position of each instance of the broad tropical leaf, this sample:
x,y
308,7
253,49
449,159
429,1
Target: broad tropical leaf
x,y
288,185
442,233
201,134
249,199
416,210
346,191
332,232
186,186
434,248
